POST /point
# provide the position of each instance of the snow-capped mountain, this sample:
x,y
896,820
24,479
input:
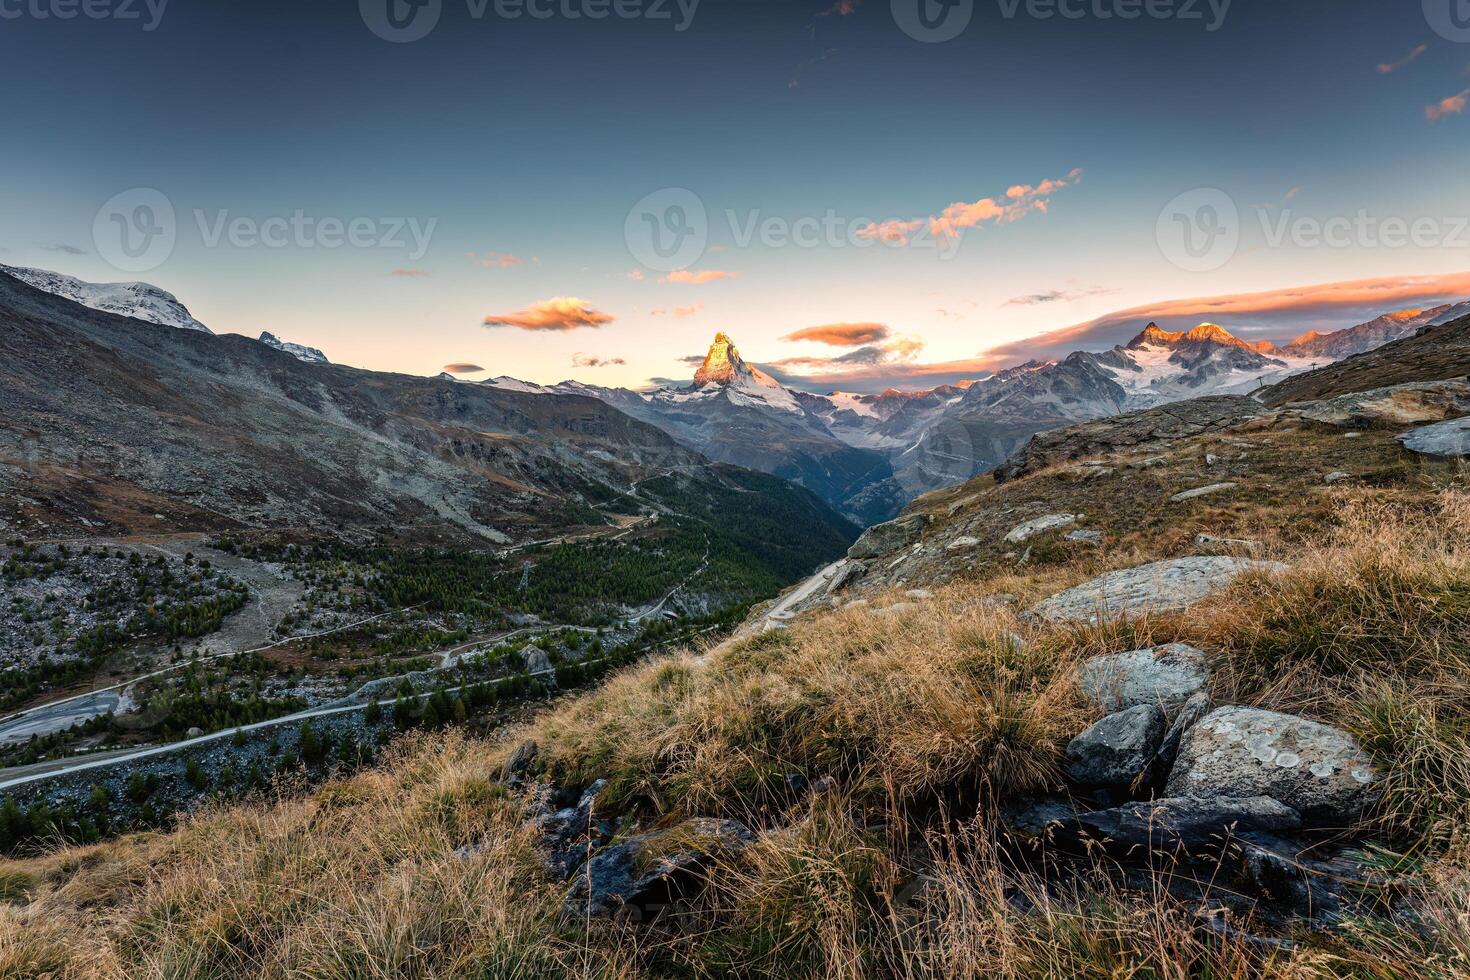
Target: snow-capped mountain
x,y
135,299
1159,366
308,354
1451,314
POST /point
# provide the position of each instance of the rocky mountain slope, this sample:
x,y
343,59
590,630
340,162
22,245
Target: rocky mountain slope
x,y
111,423
133,299
1366,336
1435,352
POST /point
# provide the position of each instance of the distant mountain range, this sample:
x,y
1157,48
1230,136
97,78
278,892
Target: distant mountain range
x,y
867,455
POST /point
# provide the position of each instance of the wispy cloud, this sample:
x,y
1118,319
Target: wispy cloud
x,y
462,368
592,361
1059,296
1285,200
1018,201
1388,68
842,334
410,273
900,351
679,312
687,278
65,248
500,260
842,8
559,313
636,275
1452,106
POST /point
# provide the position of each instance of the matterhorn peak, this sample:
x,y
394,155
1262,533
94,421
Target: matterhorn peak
x,y
722,365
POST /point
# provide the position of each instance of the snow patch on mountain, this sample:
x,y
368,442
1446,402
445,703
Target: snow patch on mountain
x,y
138,300
308,354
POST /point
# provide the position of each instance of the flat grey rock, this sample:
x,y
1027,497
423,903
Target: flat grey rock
x,y
1158,587
1114,752
1179,498
1447,440
1185,823
1030,529
1166,676
1317,770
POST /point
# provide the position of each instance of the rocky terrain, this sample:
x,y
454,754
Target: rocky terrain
x,y
1180,693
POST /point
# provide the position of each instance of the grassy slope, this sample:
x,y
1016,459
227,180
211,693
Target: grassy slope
x,y
926,718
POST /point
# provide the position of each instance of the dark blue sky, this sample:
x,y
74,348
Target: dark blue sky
x,y
533,138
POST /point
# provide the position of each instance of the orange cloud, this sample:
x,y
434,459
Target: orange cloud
x,y
1452,106
462,368
687,278
1019,200
409,273
498,260
842,334
558,313
1404,62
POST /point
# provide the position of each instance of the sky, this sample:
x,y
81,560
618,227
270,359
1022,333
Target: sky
x,y
862,193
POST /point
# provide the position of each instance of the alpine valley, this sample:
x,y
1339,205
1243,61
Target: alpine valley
x,y
867,455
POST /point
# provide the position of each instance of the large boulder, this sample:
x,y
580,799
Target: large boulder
x,y
1159,587
1167,676
1317,770
883,539
1115,751
1192,824
537,660
1447,440
651,869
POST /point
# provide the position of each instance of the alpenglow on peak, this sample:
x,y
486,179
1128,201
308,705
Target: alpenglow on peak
x,y
722,364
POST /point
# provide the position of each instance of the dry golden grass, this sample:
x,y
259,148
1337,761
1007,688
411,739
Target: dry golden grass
x,y
924,718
